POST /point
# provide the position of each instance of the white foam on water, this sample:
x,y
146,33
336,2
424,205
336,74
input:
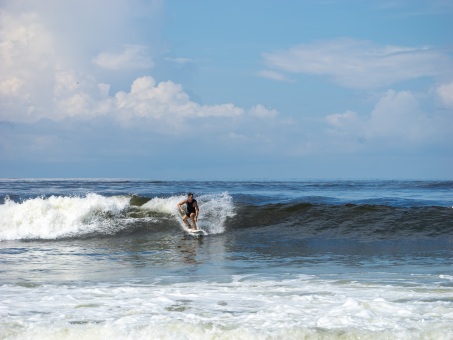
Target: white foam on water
x,y
214,210
244,308
59,216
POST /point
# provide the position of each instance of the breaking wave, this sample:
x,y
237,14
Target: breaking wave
x,y
57,217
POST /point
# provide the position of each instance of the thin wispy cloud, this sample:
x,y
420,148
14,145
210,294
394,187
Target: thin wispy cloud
x,y
275,75
359,64
131,57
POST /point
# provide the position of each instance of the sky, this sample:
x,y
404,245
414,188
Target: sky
x,y
223,90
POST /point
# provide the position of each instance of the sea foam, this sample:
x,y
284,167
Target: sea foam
x,y
304,307
59,216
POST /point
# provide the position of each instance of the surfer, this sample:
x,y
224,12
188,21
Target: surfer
x,y
191,210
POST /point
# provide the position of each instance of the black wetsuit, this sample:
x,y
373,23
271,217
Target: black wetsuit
x,y
190,207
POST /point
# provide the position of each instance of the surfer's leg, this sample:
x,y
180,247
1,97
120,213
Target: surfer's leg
x,y
192,216
184,218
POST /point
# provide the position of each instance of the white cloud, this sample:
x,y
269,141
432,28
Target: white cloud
x,y
445,93
166,100
25,39
44,56
274,75
78,95
132,57
397,114
41,80
11,86
263,111
359,64
396,119
180,60
342,120
27,65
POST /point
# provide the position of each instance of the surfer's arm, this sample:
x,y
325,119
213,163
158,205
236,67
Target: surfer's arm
x,y
181,203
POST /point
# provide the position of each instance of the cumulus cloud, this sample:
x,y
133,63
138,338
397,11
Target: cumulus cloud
x,y
398,114
165,100
396,118
445,93
11,86
347,120
27,63
79,96
263,111
45,58
357,63
40,81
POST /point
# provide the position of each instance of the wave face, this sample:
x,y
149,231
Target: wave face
x,y
348,220
93,215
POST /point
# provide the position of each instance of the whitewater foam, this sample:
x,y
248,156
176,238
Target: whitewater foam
x,y
304,307
59,216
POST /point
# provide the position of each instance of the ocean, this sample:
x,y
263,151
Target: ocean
x,y
313,259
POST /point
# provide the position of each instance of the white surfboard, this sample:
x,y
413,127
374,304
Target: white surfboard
x,y
192,232
196,232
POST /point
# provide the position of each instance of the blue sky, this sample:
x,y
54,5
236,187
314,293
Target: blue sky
x,y
226,89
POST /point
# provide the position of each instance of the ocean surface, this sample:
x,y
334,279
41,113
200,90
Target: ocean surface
x,y
109,259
